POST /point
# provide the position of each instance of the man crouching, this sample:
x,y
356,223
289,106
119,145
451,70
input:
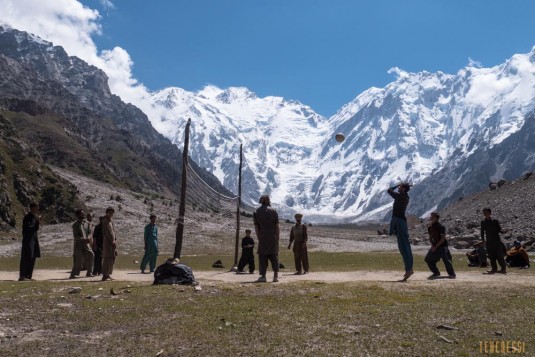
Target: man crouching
x,y
439,248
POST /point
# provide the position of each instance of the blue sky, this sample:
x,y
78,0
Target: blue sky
x,y
322,53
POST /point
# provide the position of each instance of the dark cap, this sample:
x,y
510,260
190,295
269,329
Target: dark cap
x,y
435,214
264,199
406,186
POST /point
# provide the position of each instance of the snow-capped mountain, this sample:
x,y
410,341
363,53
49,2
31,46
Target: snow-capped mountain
x,y
449,134
280,139
415,128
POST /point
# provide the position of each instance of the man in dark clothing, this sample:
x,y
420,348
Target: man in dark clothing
x,y
398,225
478,256
30,243
299,236
247,253
439,248
97,247
266,224
495,249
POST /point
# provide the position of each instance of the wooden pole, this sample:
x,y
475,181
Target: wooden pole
x,y
238,210
182,207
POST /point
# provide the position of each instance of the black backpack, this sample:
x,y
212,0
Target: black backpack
x,y
174,273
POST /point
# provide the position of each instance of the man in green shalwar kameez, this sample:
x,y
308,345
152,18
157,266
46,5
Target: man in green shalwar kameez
x,y
151,245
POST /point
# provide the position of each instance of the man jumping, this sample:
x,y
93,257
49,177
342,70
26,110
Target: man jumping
x,y
398,225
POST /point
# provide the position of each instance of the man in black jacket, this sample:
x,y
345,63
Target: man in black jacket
x,y
266,224
30,243
247,253
439,248
495,249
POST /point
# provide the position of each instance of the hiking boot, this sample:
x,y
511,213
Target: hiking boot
x,y
491,271
433,276
275,279
72,276
298,273
262,279
452,276
89,275
502,271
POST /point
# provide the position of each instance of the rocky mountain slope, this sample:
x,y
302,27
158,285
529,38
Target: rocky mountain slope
x,y
511,202
449,134
24,177
62,107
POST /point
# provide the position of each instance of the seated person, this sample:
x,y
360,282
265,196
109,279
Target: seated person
x,y
478,256
517,256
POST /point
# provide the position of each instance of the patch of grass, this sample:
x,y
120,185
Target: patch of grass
x,y
319,261
379,319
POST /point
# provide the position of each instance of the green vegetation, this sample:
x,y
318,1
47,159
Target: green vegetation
x,y
320,261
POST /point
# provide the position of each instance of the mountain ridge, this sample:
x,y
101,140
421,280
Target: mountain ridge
x,y
429,128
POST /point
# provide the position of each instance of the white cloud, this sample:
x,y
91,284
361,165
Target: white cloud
x,y
70,24
398,72
474,63
107,4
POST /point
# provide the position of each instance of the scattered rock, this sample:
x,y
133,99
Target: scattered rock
x,y
112,292
498,333
75,290
159,353
198,288
65,304
446,327
217,264
461,245
445,339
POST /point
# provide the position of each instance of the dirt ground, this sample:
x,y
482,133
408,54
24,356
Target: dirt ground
x,y
205,277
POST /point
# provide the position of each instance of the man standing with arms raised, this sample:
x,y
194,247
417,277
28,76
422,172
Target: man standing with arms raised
x,y
399,227
266,224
